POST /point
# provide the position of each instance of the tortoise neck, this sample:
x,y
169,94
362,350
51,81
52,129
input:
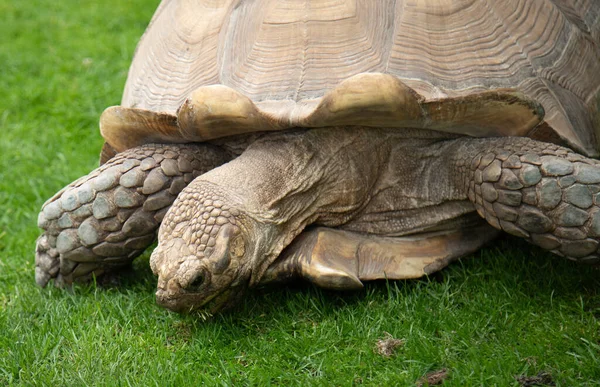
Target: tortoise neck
x,y
294,179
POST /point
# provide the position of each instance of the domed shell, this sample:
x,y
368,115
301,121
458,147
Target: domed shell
x,y
212,68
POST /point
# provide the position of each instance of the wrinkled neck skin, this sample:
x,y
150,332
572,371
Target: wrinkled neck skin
x,y
338,176
229,225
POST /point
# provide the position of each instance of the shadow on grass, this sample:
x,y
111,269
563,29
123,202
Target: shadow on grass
x,y
520,270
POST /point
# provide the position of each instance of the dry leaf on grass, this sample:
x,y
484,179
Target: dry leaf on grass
x,y
541,379
433,378
387,347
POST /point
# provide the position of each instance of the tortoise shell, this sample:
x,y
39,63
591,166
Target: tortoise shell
x,y
211,68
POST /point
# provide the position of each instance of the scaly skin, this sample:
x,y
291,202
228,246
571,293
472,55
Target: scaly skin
x,y
542,192
102,221
228,226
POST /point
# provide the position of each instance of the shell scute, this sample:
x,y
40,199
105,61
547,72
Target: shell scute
x,y
284,62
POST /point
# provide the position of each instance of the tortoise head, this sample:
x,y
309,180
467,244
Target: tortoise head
x,y
209,252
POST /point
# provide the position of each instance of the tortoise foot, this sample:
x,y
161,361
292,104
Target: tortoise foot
x,y
104,220
542,192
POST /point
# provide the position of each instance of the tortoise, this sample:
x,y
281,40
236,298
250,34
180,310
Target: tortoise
x,y
338,141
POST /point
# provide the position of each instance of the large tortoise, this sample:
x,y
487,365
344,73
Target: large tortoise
x,y
367,139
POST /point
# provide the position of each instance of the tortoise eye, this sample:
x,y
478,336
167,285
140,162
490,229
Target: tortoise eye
x,y
196,283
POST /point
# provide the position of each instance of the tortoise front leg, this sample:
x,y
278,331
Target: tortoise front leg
x,y
542,192
102,221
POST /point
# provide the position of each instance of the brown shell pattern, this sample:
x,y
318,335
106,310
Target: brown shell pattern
x,y
476,67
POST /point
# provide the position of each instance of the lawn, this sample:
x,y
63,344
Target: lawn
x,y
506,312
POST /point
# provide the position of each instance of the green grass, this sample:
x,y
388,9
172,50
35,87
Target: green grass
x,y
509,310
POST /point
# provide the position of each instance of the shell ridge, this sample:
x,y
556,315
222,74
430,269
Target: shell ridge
x,y
543,74
366,99
286,63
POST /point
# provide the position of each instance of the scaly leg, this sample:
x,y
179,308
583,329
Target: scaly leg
x,y
542,192
104,220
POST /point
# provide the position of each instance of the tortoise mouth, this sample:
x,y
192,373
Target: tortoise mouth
x,y
188,302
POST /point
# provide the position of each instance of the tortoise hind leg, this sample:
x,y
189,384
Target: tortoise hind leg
x,y
341,260
102,221
542,192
